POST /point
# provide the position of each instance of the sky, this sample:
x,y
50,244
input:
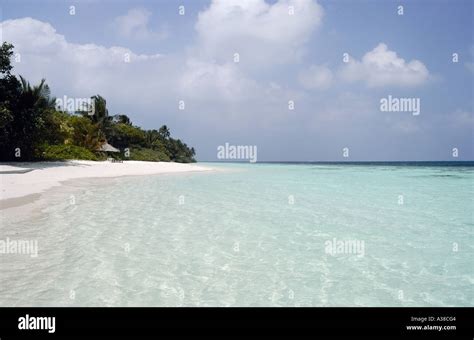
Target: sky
x,y
301,80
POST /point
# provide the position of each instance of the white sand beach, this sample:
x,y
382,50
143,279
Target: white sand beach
x,y
22,179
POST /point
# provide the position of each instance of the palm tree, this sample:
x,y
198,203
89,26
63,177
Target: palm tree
x,y
164,132
28,128
151,137
101,113
122,119
37,97
100,116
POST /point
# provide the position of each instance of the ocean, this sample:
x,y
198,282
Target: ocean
x,y
265,234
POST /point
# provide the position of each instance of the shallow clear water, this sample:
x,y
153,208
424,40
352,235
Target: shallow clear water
x,y
251,235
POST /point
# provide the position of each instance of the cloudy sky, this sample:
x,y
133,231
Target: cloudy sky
x,y
299,79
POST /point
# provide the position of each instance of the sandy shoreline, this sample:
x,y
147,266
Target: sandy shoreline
x,y
21,180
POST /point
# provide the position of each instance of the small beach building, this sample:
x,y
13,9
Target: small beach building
x,y
106,147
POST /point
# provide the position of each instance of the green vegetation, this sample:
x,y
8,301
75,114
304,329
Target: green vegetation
x,y
64,151
145,154
32,128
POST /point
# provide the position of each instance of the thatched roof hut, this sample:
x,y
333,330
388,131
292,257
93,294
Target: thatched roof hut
x,y
106,147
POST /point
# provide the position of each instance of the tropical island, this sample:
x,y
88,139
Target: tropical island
x,y
34,128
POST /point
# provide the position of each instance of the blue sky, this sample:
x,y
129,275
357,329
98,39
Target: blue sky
x,y
283,58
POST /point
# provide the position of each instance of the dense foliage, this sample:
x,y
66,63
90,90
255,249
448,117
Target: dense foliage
x,y
67,151
32,128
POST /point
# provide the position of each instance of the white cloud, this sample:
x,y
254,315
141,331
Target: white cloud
x,y
316,77
86,69
149,85
261,33
202,80
40,40
134,25
382,67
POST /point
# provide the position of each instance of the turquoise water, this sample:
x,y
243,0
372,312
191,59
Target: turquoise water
x,y
252,235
